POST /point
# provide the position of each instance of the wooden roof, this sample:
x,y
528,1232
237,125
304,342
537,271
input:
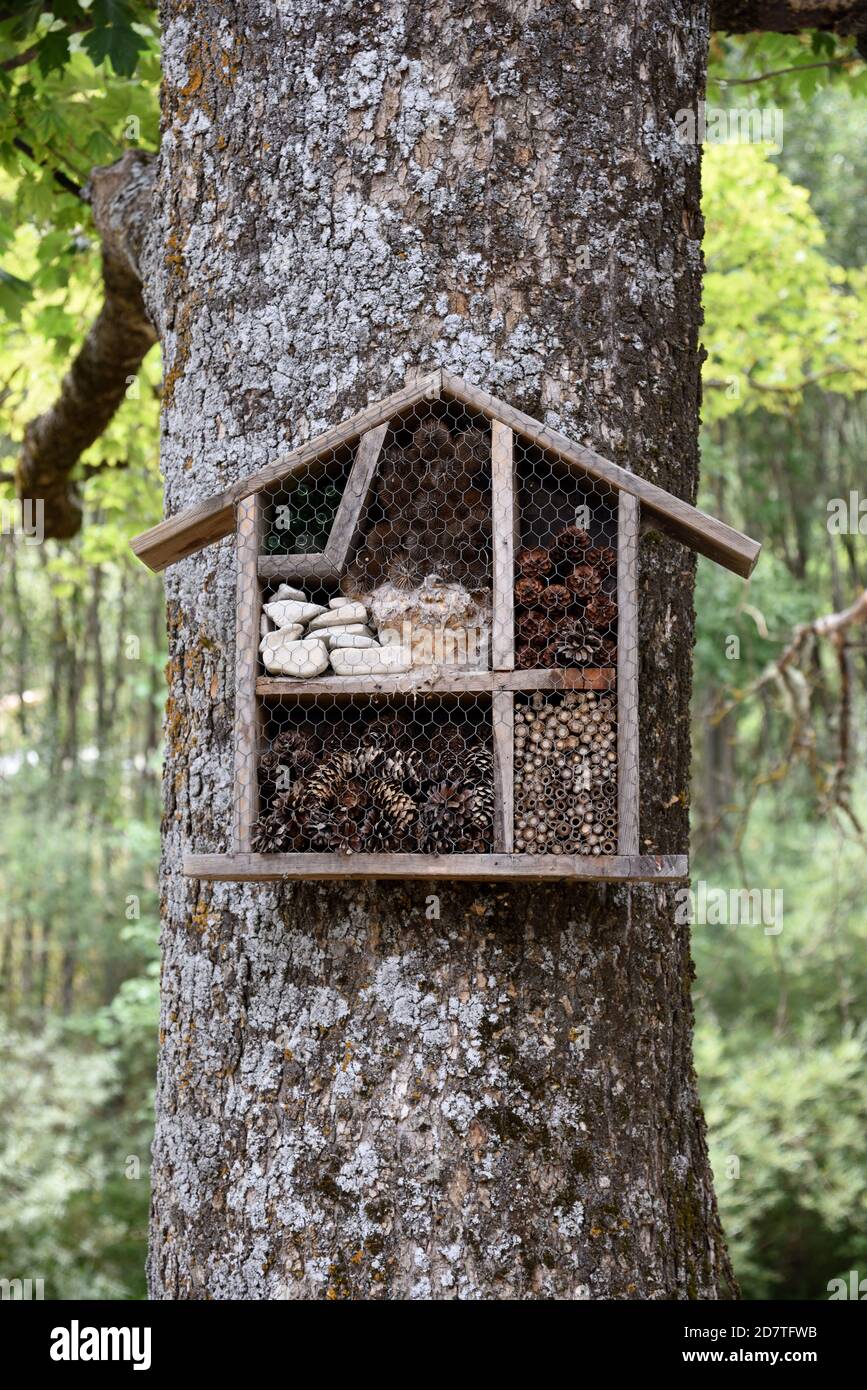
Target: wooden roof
x,y
210,521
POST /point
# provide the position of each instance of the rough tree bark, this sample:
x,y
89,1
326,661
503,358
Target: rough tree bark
x,y
357,1099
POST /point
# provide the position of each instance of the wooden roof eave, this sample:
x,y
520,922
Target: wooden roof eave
x,y
207,522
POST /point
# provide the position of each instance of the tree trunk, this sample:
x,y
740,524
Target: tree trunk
x,y
359,1097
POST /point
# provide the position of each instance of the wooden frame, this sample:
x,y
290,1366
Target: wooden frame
x,y
422,682
627,676
210,521
480,867
344,531
638,501
248,606
501,684
503,524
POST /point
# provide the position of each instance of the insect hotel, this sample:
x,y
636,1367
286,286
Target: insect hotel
x,y
436,647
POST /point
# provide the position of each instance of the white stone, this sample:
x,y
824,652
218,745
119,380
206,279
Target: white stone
x,y
357,629
278,637
347,613
349,639
370,661
289,611
265,625
340,602
299,659
286,591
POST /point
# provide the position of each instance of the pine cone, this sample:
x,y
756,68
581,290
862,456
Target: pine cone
x,y
269,835
479,770
331,771
347,836
584,581
570,544
528,591
578,646
527,656
296,748
608,654
351,795
602,555
601,611
556,598
393,804
473,449
364,818
533,562
403,769
533,627
447,818
290,809
431,438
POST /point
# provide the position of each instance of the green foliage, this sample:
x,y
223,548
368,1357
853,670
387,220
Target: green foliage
x,y
779,313
786,69
76,1074
81,649
780,1045
83,89
781,1052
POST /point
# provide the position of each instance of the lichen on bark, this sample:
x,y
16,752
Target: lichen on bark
x,y
364,1092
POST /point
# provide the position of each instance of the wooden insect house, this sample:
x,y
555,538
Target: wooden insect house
x,y
436,647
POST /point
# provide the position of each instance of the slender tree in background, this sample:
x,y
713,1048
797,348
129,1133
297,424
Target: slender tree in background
x,y
364,1092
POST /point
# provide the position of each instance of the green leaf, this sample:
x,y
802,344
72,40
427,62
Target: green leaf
x,y
114,38
53,51
24,23
14,294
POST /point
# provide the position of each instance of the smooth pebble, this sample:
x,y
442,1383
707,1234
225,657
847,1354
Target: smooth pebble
x,y
349,639
370,661
348,613
290,611
298,659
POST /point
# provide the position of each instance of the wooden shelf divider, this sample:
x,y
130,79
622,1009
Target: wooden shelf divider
x,y
627,675
481,867
503,717
248,714
504,514
436,681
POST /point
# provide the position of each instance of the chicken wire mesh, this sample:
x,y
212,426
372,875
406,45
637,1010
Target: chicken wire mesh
x,y
427,520
374,712
377,776
565,566
566,774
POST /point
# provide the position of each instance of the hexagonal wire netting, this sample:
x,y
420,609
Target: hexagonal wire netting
x,y
371,719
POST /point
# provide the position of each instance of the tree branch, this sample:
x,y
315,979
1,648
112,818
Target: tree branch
x,y
787,673
63,180
782,72
790,16
27,55
788,389
120,196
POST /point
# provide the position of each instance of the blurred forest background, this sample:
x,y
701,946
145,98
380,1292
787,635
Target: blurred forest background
x,y
779,790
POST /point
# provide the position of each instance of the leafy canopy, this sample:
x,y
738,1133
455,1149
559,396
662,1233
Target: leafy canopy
x,y
78,86
780,313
